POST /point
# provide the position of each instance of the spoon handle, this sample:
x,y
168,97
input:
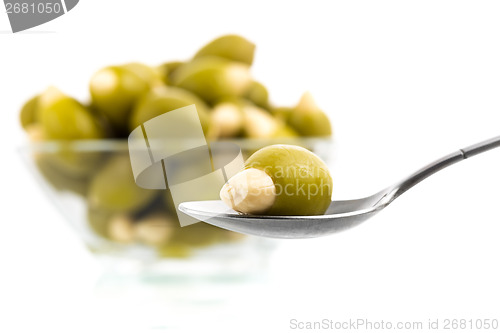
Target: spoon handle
x,y
399,188
481,147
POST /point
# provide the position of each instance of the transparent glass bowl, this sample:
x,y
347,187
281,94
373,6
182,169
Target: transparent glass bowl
x,y
145,237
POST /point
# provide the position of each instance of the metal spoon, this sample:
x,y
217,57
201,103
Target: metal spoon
x,y
341,215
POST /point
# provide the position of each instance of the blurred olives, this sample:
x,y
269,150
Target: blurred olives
x,y
57,177
230,104
308,119
257,93
260,124
227,119
231,47
29,111
155,229
212,78
163,99
167,70
148,74
113,187
64,118
116,89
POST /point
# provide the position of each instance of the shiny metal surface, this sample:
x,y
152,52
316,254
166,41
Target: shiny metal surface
x,y
341,215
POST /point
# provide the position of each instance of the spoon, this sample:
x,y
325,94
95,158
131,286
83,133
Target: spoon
x,y
340,215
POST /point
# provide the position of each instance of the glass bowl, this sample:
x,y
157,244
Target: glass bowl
x,y
138,228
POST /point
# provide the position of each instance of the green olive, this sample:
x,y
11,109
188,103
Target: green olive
x,y
308,119
285,131
29,112
167,70
232,47
147,73
257,94
280,180
66,164
199,234
283,112
115,90
175,250
113,188
98,220
184,240
60,180
164,99
74,163
213,78
63,118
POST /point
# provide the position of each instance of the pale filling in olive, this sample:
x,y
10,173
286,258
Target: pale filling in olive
x,y
121,229
239,76
35,132
154,230
307,102
251,191
228,119
104,80
50,95
259,124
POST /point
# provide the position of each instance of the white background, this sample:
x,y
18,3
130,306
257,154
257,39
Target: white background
x,y
404,83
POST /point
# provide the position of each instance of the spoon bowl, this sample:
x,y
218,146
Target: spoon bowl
x,y
340,215
216,213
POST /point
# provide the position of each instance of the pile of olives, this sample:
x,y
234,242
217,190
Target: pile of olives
x,y
230,104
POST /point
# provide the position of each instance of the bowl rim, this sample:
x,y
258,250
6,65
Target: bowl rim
x,y
108,145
